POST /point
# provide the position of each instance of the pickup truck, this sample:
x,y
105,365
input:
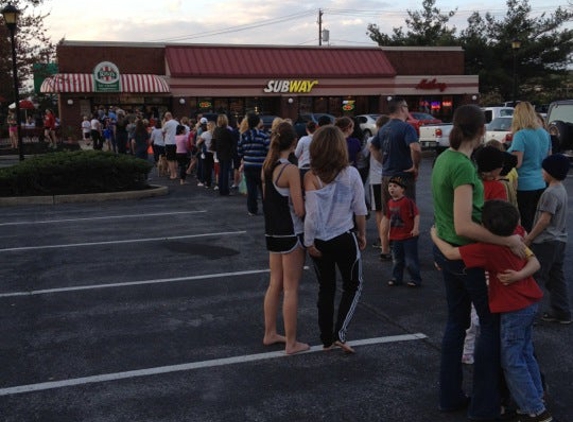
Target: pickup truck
x,y
560,125
438,136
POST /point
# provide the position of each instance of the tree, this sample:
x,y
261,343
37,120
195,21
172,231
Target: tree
x,y
32,45
426,27
542,60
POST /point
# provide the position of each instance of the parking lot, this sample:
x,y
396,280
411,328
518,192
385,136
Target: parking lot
x,y
151,310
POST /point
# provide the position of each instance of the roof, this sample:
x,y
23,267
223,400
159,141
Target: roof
x,y
276,61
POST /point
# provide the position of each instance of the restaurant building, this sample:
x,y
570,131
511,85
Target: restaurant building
x,y
286,81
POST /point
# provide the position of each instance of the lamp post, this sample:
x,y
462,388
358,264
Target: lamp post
x,y
515,46
10,14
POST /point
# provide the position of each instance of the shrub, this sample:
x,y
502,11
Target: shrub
x,y
74,172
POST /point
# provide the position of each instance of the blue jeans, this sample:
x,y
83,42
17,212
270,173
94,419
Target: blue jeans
x,y
518,362
405,255
465,286
254,186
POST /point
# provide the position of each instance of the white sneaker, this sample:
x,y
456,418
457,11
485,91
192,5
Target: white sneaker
x,y
216,187
200,184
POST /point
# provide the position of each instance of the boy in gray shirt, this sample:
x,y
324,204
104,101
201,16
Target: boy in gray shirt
x,y
548,238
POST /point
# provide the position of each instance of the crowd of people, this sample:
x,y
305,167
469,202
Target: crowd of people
x,y
499,230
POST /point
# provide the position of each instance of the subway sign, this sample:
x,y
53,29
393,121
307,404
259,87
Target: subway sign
x,y
293,85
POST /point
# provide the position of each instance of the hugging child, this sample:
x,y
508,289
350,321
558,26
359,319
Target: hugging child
x,y
515,296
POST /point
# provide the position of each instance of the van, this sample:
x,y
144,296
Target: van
x,y
494,112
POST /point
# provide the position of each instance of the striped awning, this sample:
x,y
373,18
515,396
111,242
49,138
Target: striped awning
x,y
83,82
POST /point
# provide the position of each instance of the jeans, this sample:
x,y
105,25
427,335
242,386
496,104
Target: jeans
x,y
254,186
405,255
551,256
465,286
518,362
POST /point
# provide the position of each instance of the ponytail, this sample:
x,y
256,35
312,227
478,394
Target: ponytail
x,y
282,138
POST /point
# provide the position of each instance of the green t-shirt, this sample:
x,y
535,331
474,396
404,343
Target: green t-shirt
x,y
451,170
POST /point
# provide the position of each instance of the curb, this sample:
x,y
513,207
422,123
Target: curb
x,y
155,190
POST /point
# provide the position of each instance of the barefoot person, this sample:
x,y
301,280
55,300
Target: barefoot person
x,y
283,208
334,195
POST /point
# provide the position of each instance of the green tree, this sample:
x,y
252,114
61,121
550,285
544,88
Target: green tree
x,y
425,27
542,59
32,45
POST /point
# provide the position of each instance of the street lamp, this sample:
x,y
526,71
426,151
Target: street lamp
x,y
515,46
10,14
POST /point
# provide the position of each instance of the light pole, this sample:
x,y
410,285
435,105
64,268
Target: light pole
x,y
10,14
515,46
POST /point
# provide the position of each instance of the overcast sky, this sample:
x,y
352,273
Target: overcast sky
x,y
281,22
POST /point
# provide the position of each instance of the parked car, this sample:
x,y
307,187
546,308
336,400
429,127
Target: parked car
x,y
304,118
492,113
418,119
500,130
367,123
435,136
560,125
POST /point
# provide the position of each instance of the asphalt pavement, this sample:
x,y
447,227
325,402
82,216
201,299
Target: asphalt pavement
x,y
151,310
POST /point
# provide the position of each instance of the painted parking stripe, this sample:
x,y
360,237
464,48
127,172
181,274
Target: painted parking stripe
x,y
117,242
132,283
191,366
108,217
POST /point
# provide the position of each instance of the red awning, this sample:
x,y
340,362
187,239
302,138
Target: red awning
x,y
276,62
83,82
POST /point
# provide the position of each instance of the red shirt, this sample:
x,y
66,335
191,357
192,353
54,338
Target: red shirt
x,y
401,213
49,121
495,259
494,189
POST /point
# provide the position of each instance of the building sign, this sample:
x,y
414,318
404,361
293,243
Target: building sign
x,y
107,78
431,84
295,86
348,105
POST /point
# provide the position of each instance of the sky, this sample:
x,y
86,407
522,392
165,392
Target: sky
x,y
278,22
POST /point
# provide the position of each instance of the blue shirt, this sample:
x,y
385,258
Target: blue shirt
x,y
253,148
393,140
535,145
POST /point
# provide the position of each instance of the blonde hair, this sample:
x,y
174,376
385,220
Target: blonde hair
x,y
524,117
328,153
244,126
222,120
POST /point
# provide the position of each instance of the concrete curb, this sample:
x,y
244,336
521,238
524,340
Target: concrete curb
x,y
155,190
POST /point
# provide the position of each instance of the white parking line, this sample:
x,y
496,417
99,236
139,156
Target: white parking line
x,y
20,389
108,217
131,283
114,242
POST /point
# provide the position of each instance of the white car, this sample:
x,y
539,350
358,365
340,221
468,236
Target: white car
x,y
500,130
367,123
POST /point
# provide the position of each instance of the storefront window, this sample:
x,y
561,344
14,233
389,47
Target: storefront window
x,y
320,105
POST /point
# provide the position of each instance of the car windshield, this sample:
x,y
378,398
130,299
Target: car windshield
x,y
506,112
501,123
562,112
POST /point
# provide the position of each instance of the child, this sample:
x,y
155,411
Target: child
x,y
489,162
404,221
508,175
108,134
548,238
515,295
86,128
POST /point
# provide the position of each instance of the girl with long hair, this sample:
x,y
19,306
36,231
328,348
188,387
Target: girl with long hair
x,y
283,209
334,231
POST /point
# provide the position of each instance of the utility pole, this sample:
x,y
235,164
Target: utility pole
x,y
319,26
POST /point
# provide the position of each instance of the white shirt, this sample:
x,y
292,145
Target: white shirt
x,y
301,152
375,173
330,209
169,130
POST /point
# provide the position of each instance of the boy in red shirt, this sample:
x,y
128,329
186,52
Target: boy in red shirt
x,y
404,224
515,295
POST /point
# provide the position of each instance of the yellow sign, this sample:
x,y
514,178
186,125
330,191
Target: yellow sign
x,y
295,86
